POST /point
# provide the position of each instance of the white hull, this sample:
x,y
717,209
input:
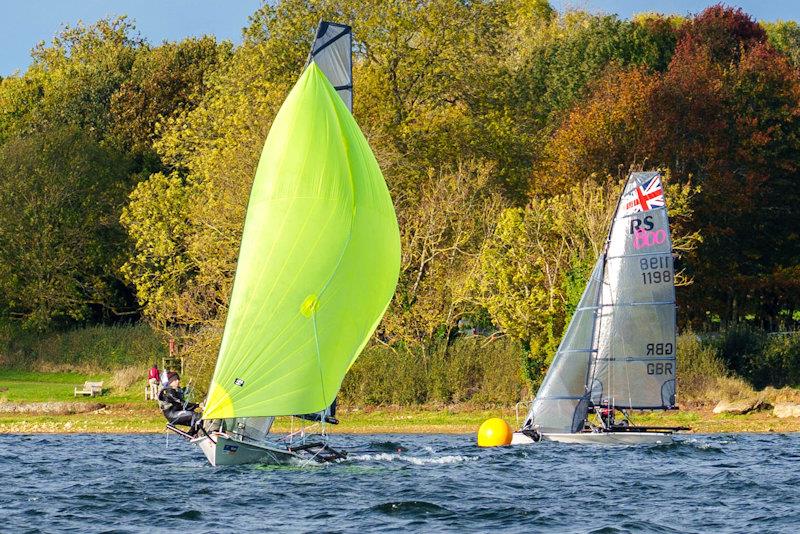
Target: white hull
x,y
600,438
221,450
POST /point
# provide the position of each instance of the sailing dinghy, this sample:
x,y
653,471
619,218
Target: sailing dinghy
x,y
318,266
618,351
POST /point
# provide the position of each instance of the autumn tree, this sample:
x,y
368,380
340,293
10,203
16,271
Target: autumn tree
x,y
721,117
163,81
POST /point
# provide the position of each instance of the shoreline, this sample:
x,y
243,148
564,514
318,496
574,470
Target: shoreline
x,y
137,418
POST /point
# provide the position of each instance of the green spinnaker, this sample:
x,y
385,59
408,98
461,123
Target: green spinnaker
x,y
318,264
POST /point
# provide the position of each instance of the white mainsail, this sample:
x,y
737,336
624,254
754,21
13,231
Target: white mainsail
x,y
332,51
635,363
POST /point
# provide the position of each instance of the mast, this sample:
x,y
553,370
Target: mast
x,y
332,51
599,303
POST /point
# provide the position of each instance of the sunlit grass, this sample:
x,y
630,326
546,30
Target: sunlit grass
x,y
126,411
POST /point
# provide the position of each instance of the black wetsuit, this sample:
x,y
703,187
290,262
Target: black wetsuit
x,y
177,410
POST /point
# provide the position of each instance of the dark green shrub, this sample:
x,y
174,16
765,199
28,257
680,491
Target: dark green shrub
x,y
472,369
699,369
761,359
740,347
779,363
386,375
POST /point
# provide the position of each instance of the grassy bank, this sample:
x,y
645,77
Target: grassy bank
x,y
386,391
91,349
141,418
125,410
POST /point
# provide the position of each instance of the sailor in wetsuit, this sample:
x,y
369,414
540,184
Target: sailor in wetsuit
x,y
174,406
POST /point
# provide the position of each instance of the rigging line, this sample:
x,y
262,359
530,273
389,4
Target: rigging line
x,y
628,377
312,458
319,361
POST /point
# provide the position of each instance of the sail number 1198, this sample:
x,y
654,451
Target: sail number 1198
x,y
656,269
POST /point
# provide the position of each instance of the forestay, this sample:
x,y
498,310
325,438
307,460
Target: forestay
x,y
635,364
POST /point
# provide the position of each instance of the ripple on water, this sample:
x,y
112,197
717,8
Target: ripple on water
x,y
385,446
411,509
415,460
405,483
190,515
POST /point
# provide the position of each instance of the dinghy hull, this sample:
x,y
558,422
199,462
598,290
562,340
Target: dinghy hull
x,y
221,450
599,438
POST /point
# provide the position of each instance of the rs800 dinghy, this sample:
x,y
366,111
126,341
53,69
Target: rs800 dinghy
x,y
318,266
618,351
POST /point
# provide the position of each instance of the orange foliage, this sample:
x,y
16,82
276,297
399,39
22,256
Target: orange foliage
x,y
601,136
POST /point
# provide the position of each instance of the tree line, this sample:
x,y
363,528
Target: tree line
x,y
503,128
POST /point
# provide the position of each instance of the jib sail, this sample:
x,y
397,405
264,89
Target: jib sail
x,y
561,402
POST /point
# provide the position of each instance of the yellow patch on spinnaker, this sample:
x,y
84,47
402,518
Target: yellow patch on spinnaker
x,y
309,306
218,405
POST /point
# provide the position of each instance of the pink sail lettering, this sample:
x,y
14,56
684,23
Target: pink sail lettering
x,y
643,238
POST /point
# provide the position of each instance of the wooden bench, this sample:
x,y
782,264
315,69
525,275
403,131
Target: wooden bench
x,y
89,388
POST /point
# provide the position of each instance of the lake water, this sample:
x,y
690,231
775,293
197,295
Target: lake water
x,y
403,483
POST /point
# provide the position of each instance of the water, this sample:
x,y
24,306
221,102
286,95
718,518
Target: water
x,y
403,483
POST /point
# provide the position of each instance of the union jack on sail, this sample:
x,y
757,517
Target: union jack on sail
x,y
648,196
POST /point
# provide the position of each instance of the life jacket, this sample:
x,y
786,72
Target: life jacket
x,y
170,399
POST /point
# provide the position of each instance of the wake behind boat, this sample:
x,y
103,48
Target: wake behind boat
x,y
318,266
618,352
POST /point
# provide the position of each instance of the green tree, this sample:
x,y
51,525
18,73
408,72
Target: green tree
x,y
72,80
60,242
784,35
527,263
163,81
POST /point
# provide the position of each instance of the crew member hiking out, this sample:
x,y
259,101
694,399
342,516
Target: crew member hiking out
x,y
174,406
